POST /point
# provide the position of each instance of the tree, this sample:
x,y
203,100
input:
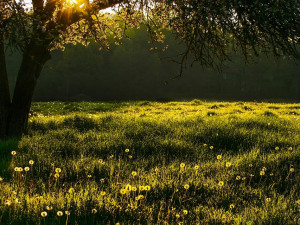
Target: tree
x,y
209,29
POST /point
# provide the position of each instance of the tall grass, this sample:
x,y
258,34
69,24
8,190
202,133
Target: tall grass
x,y
154,163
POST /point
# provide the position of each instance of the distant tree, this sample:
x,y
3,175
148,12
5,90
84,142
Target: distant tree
x,y
207,28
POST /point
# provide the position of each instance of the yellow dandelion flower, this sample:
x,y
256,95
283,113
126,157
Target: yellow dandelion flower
x,y
137,198
221,183
292,170
156,170
262,173
20,169
204,145
31,162
133,173
290,148
67,213
177,216
134,189
94,211
123,191
130,156
244,178
59,213
58,170
186,186
16,169
102,193
13,152
141,197
56,175
100,161
26,168
264,169
49,208
219,157
147,188
128,187
211,147
228,164
231,206
89,176
71,190
127,150
185,212
196,167
182,165
44,214
141,188
276,148
238,177
268,200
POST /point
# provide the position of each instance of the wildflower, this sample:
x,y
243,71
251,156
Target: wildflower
x,y
102,180
26,169
89,176
211,147
123,191
134,189
8,202
100,161
16,169
141,188
177,216
128,187
238,177
276,148
231,206
49,208
134,173
292,170
204,145
59,213
228,164
262,173
244,178
290,148
156,170
221,183
127,150
56,175
185,212
13,152
102,193
268,200
58,170
264,169
251,175
182,165
67,213
219,157
31,162
94,211
130,156
186,186
141,197
147,188
44,214
20,169
196,167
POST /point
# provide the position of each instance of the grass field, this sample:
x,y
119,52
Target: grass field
x,y
154,163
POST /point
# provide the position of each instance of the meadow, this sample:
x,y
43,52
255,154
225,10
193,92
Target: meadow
x,y
147,162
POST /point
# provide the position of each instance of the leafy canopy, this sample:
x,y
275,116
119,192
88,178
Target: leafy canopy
x,y
208,28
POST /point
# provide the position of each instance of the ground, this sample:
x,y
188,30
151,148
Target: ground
x,y
154,163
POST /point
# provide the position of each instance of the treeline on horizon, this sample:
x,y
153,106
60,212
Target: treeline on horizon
x,y
131,71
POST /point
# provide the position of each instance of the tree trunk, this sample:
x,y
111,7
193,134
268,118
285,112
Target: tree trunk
x,y
32,64
4,91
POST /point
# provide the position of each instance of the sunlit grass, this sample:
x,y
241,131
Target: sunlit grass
x,y
154,163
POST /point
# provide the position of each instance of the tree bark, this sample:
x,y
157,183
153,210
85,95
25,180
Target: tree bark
x,y
34,58
4,91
